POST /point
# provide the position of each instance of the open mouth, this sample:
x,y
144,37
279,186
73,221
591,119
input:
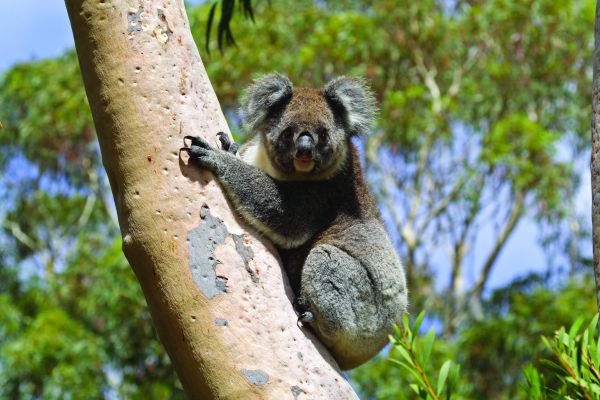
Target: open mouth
x,y
304,164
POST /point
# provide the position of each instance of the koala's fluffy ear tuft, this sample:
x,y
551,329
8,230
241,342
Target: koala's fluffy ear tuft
x,y
265,93
356,99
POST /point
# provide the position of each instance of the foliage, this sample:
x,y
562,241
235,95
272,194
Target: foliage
x,y
576,363
496,347
224,26
415,357
46,118
83,332
73,369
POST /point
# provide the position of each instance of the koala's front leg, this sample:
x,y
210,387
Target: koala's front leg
x,y
288,213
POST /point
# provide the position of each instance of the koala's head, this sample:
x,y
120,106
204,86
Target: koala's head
x,y
306,130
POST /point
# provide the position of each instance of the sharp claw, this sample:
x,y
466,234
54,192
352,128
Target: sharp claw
x,y
186,149
225,141
306,317
188,137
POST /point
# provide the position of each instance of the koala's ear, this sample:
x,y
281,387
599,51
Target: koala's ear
x,y
265,93
356,101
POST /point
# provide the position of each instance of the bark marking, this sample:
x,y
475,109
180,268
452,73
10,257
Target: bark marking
x,y
256,376
203,240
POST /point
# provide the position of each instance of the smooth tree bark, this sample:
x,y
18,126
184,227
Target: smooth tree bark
x,y
217,294
596,156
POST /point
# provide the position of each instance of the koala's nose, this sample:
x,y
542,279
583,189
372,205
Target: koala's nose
x,y
305,145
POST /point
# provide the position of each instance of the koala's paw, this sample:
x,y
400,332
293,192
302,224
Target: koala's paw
x,y
228,144
202,153
301,306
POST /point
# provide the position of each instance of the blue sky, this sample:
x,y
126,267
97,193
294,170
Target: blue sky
x,y
36,29
33,29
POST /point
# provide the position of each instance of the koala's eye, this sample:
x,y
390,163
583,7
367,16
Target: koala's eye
x,y
322,132
287,132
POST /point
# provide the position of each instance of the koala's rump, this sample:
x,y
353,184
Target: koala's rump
x,y
356,287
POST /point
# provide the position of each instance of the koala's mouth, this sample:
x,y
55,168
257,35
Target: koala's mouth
x,y
304,164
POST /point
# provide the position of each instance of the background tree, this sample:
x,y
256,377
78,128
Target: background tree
x,y
596,154
484,124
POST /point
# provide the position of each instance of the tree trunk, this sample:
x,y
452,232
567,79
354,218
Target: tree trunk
x,y
217,295
596,155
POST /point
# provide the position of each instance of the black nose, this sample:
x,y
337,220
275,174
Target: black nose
x,y
304,145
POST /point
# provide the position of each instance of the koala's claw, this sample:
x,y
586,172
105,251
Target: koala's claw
x,y
227,144
306,317
196,141
201,152
224,139
301,306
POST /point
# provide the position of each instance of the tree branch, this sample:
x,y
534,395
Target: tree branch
x,y
18,234
441,205
511,223
91,199
429,79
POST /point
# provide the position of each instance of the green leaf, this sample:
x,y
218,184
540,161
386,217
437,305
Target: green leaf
x,y
575,327
593,326
416,388
427,345
211,16
453,380
397,331
405,354
442,376
417,325
412,371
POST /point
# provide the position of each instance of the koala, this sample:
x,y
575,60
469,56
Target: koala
x,y
299,182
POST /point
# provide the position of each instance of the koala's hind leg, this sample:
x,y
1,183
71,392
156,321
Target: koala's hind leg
x,y
344,305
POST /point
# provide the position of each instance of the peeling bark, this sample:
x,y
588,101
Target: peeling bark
x,y
216,293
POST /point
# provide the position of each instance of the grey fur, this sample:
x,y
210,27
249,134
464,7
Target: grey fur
x,y
265,93
355,96
282,206
338,257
